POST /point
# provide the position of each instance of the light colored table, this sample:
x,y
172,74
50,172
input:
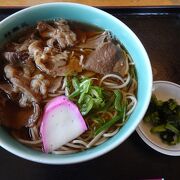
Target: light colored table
x,y
98,3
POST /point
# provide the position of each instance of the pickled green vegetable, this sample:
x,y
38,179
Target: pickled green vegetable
x,y
165,119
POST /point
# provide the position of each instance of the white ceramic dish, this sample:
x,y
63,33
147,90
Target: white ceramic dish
x,y
163,91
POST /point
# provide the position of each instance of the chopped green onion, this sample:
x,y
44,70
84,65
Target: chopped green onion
x,y
85,108
75,83
111,122
88,96
118,99
74,94
82,97
85,85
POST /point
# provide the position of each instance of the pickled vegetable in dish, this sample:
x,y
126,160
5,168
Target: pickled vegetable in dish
x,y
81,73
164,116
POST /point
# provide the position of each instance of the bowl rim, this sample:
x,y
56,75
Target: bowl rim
x,y
166,82
93,154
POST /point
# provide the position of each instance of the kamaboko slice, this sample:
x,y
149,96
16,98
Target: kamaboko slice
x,y
61,123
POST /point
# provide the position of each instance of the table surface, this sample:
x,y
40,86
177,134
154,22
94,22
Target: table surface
x,y
159,32
102,3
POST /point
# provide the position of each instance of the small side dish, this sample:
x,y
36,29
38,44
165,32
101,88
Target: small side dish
x,y
164,116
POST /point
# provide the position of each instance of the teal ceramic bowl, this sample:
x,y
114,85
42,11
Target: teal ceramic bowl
x,y
90,15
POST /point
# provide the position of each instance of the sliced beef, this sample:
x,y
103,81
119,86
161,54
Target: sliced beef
x,y
16,57
28,68
28,97
94,41
34,116
54,64
55,85
20,83
7,88
45,61
35,48
107,58
59,32
39,84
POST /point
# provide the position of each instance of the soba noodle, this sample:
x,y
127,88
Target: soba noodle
x,y
109,83
87,141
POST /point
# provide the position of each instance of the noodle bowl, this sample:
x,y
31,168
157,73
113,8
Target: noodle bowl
x,y
40,64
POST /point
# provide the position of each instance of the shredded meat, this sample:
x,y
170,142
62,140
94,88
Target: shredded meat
x,y
34,117
36,48
24,45
31,88
21,84
26,91
19,46
7,88
28,68
53,60
45,61
55,85
60,33
53,64
39,84
16,57
72,67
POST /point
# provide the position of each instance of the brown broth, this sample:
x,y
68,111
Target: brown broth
x,y
84,30
15,117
